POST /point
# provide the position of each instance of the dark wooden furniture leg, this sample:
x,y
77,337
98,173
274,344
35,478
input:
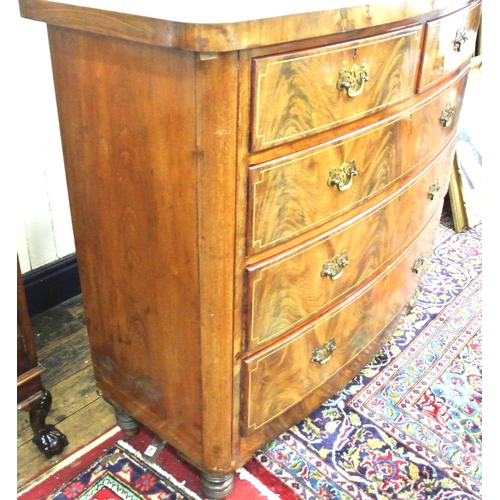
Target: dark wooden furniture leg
x,y
31,395
49,440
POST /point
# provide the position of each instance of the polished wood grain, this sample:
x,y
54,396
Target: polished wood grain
x,y
159,223
289,289
291,195
133,199
297,94
216,199
284,374
442,55
222,37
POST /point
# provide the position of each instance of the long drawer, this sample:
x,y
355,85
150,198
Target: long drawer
x,y
292,287
287,372
295,194
450,41
301,93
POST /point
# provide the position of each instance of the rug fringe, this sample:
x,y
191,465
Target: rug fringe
x,y
180,485
244,475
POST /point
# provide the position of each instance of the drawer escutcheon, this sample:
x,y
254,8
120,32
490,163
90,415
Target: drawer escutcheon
x,y
342,176
353,80
324,352
334,267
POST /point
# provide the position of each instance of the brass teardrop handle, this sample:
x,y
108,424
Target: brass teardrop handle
x,y
460,39
334,267
446,115
353,80
324,352
433,189
418,264
342,176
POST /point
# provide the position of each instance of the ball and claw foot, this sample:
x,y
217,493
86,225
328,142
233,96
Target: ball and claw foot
x,y
46,437
50,441
217,487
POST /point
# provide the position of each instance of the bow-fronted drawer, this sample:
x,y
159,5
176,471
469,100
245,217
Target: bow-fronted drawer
x,y
301,93
300,192
293,287
332,349
449,42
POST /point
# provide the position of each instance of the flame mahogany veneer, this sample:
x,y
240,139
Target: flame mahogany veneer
x,y
253,203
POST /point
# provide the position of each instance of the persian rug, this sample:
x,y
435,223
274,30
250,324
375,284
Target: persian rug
x,y
408,427
121,473
139,468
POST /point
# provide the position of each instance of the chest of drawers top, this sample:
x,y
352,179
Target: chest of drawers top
x,y
219,26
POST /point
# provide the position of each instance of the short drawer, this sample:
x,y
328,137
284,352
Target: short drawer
x,y
292,195
301,93
287,290
277,378
449,42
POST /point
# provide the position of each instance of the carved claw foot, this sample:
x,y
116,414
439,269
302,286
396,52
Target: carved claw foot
x,y
217,487
50,441
47,438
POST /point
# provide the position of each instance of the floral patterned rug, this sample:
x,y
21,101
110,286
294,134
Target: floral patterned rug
x,y
408,427
120,474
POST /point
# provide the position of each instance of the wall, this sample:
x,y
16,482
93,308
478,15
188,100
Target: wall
x,y
39,211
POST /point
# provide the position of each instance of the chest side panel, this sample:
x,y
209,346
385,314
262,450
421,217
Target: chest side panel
x,y
128,132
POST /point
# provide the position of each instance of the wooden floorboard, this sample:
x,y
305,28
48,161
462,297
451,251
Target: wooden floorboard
x,y
77,410
55,325
76,391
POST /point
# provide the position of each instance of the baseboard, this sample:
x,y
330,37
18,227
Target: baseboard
x,y
49,285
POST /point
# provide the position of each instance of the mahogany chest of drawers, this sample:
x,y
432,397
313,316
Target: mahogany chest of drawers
x,y
253,203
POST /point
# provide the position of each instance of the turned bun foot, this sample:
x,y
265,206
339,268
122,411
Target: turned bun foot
x,y
128,424
217,486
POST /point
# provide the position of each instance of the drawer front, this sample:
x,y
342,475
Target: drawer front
x,y
292,195
287,290
450,41
301,93
284,374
